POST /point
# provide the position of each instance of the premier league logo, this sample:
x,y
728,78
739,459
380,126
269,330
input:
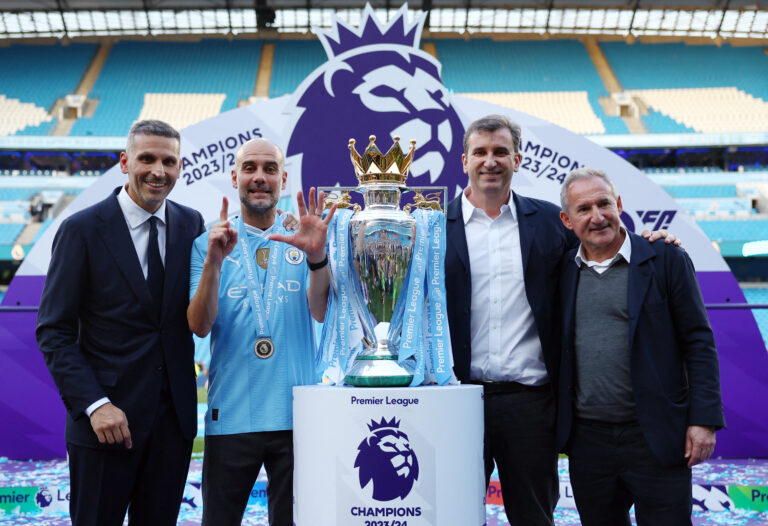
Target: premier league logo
x,y
385,458
377,81
43,497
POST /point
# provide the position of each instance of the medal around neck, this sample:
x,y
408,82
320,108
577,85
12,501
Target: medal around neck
x,y
379,329
264,348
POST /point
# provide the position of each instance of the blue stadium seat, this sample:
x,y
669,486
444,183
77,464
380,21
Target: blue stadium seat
x,y
759,296
17,194
677,65
42,74
657,122
710,190
294,60
9,232
483,65
735,230
136,68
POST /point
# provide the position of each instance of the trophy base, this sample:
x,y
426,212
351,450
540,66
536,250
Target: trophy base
x,y
378,367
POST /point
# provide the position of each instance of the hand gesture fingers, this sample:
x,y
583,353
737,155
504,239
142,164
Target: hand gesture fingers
x,y
222,237
223,215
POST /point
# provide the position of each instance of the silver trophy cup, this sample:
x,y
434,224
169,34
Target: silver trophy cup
x,y
382,240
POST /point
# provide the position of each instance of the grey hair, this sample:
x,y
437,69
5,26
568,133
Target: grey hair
x,y
491,123
152,127
583,173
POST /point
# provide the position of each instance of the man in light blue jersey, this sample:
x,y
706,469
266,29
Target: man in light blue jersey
x,y
255,289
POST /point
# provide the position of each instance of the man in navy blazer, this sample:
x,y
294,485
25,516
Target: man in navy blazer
x,y
639,397
502,267
113,330
503,272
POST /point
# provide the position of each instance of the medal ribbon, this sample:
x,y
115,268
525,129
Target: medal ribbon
x,y
256,300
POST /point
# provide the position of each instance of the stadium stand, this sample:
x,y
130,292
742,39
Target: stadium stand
x,y
704,88
711,190
569,109
10,231
758,295
221,68
735,229
293,61
26,102
486,66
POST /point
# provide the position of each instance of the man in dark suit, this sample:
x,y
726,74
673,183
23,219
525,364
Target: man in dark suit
x,y
639,397
503,268
113,330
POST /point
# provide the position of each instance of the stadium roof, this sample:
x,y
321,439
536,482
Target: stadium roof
x,y
724,19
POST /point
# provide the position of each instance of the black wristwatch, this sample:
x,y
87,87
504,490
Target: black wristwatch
x,y
319,264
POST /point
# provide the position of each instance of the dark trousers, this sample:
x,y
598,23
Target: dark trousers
x,y
231,464
148,481
520,437
612,467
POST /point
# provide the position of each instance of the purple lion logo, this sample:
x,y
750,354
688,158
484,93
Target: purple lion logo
x,y
377,81
43,497
385,457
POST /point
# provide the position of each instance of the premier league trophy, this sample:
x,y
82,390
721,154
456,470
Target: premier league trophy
x,y
381,256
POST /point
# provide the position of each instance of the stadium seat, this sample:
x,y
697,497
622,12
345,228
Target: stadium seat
x,y
41,75
133,69
530,68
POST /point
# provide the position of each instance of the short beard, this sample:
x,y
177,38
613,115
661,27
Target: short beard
x,y
259,210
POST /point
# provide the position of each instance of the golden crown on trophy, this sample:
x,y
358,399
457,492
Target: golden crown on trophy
x,y
376,167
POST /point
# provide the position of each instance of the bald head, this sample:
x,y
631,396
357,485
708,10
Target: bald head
x,y
259,177
258,145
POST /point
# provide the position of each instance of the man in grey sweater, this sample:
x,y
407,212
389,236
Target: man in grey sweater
x,y
639,398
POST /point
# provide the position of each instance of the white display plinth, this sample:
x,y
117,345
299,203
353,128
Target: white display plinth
x,y
388,456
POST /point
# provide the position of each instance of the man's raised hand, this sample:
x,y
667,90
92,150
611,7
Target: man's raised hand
x,y
222,238
313,228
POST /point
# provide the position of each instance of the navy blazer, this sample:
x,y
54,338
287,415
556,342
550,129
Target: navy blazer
x,y
97,328
673,359
543,241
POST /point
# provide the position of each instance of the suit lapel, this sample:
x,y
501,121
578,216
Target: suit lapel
x,y
175,256
113,231
456,237
526,225
640,275
569,284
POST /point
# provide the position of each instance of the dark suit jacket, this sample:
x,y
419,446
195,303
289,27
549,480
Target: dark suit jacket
x,y
543,241
96,326
673,360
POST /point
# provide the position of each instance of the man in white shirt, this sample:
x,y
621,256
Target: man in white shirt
x,y
502,275
113,330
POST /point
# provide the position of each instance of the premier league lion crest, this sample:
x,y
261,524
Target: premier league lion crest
x,y
377,81
43,497
385,458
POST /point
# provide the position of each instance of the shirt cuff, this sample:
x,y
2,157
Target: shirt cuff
x,y
94,406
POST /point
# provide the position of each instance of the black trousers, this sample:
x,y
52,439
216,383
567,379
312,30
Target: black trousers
x,y
231,464
612,467
148,481
520,437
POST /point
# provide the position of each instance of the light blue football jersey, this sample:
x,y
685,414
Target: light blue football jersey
x,y
247,393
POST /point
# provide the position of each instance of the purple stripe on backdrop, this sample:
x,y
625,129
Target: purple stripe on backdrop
x,y
31,409
743,369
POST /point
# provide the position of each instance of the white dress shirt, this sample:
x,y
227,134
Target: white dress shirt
x,y
625,251
138,225
505,344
